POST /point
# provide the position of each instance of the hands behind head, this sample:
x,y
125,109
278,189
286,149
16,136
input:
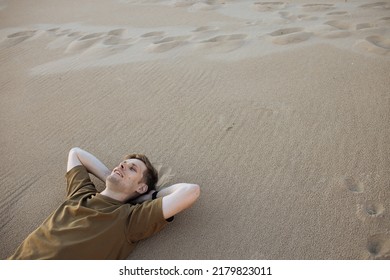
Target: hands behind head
x,y
144,197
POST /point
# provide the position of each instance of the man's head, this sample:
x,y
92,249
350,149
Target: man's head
x,y
150,175
133,176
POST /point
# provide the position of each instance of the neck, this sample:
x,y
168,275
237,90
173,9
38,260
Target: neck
x,y
115,195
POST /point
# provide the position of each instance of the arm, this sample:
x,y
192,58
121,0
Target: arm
x,y
93,165
178,197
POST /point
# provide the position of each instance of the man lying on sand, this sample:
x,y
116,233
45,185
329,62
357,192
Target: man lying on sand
x,y
92,225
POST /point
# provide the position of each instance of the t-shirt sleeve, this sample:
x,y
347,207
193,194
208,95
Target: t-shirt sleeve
x,y
78,181
145,220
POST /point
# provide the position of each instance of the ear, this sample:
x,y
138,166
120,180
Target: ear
x,y
142,188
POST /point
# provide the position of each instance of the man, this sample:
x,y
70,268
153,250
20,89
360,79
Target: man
x,y
92,225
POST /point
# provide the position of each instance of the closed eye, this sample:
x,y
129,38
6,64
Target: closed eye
x,y
133,168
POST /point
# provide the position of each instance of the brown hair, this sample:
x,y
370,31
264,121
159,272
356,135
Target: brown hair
x,y
150,176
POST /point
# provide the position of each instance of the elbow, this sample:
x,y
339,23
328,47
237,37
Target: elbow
x,y
194,191
197,191
74,151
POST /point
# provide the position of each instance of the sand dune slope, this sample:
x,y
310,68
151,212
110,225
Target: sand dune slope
x,y
278,110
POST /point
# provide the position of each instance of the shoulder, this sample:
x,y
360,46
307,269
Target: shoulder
x,y
78,179
147,208
145,220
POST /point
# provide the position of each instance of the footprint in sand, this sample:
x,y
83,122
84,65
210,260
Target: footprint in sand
x,y
53,31
57,32
378,246
289,36
268,6
386,19
337,13
117,32
380,5
63,34
224,43
365,25
205,29
62,37
230,127
353,186
204,32
117,37
375,44
167,44
307,17
153,34
379,41
111,44
18,37
373,209
318,7
74,34
91,36
339,32
369,210
115,41
207,4
85,42
341,25
196,5
182,3
102,45
204,6
289,16
292,17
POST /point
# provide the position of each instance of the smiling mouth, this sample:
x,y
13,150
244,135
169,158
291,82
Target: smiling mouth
x,y
116,171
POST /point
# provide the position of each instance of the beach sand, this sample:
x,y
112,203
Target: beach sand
x,y
280,111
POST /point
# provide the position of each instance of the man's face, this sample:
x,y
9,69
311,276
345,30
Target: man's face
x,y
127,176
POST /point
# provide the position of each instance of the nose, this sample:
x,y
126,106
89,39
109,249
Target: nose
x,y
123,164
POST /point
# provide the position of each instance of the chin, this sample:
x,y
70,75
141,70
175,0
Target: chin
x,y
112,179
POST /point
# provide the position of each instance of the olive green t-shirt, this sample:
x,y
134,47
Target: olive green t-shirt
x,y
89,225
